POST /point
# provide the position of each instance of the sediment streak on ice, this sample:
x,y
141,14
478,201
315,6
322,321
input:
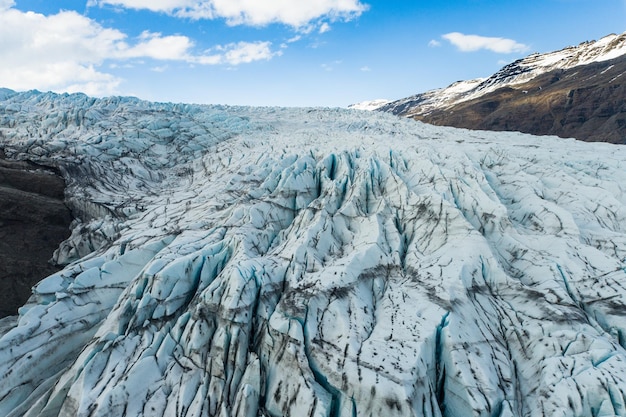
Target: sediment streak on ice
x,y
294,262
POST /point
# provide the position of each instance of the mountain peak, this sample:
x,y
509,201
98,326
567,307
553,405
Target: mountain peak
x,y
516,76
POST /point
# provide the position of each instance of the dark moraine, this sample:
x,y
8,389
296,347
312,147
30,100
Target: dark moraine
x,y
33,222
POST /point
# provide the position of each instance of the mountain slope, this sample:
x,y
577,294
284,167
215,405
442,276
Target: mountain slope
x,y
33,221
576,92
318,262
587,102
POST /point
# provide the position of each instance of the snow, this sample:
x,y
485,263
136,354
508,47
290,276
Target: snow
x,y
234,261
370,105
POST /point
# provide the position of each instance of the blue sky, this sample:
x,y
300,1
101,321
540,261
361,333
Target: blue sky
x,y
281,52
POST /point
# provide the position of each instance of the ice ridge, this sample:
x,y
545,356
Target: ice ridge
x,y
235,261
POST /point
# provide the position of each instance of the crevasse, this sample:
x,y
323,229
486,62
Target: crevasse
x,y
317,262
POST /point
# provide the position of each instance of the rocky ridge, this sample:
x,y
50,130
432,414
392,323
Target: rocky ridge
x,y
575,92
586,102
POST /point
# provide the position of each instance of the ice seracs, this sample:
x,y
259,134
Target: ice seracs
x,y
318,262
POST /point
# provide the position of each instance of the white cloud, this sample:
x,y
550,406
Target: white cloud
x,y
316,44
66,52
331,66
156,46
60,50
471,43
290,40
6,4
366,69
325,27
240,53
434,43
298,14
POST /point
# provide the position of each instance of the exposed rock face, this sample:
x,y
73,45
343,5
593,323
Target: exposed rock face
x,y
587,103
33,221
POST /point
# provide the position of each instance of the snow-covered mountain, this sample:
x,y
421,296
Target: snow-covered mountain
x,y
369,105
514,74
238,261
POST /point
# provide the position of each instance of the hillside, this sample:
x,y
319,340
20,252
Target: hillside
x,y
576,92
587,102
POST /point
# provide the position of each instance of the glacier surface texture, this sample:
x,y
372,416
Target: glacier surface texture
x,y
317,262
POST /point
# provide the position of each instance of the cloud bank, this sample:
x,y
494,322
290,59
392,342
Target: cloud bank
x,y
472,43
64,51
299,14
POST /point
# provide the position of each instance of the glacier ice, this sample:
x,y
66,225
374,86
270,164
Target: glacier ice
x,y
233,261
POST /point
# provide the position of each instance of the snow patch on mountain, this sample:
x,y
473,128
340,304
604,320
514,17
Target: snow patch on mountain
x,y
369,105
238,261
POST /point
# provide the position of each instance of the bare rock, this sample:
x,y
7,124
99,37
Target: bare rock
x,y
33,221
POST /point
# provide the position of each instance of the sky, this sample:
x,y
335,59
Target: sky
x,y
329,53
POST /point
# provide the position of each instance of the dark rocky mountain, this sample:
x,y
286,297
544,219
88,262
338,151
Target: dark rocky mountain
x,y
33,221
587,103
576,92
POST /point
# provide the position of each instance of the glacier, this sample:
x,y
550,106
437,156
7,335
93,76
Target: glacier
x,y
236,261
